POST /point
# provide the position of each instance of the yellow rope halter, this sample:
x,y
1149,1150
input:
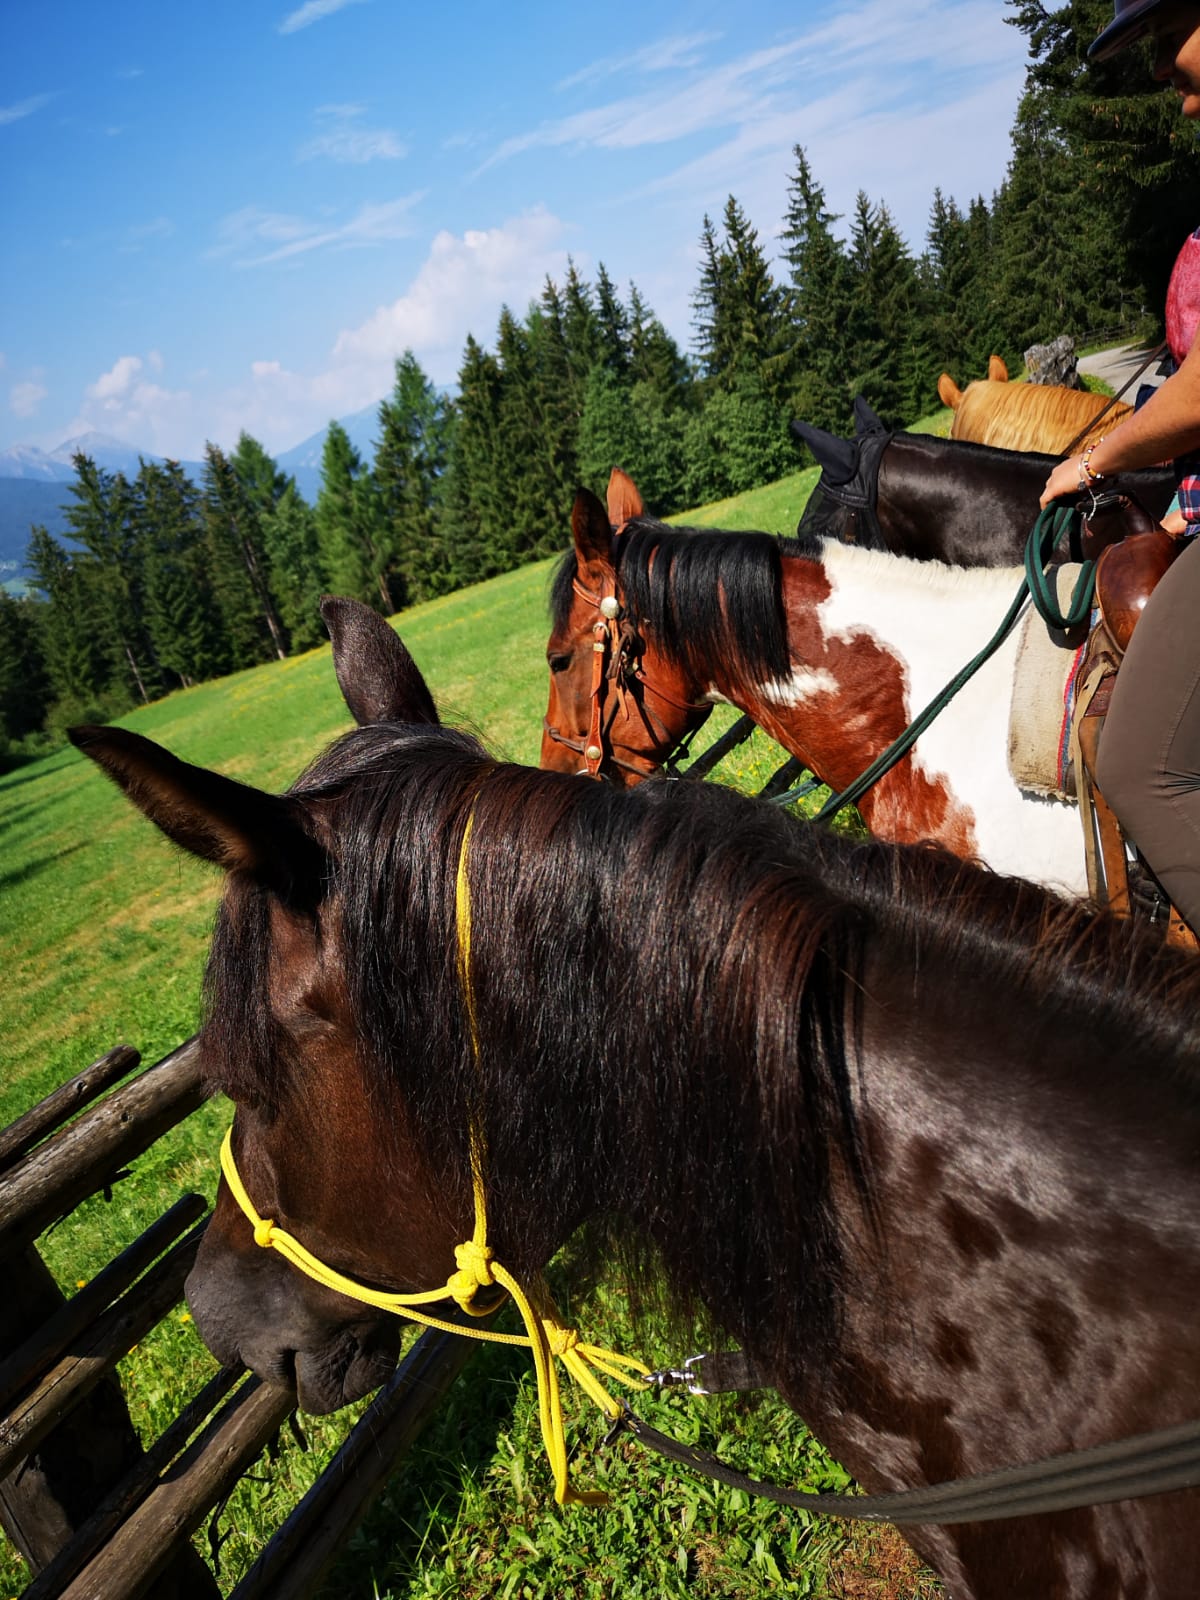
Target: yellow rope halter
x,y
476,1268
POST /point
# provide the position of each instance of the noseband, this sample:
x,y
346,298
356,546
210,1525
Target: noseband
x,y
616,652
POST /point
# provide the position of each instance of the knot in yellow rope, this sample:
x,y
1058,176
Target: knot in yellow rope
x,y
474,1262
264,1230
562,1339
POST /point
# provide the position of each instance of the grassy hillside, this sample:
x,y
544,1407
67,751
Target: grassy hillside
x,y
103,931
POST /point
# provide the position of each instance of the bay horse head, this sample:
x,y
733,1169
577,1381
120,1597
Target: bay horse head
x,y
283,1035
618,703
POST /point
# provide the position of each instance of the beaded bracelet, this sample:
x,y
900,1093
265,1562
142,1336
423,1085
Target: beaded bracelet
x,y
1086,475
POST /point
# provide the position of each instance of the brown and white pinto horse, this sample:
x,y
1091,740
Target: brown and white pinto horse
x,y
924,1141
831,649
1026,416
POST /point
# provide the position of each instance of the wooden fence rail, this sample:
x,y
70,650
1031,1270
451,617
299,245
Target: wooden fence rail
x,y
95,1516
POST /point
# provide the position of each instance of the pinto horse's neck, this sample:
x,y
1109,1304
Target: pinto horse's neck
x,y
873,639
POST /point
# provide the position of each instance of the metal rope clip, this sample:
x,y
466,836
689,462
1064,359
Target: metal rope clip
x,y
619,1424
677,1377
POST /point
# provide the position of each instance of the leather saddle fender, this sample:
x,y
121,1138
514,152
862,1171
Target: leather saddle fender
x,y
1126,576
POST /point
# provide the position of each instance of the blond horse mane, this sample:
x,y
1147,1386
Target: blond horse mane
x,y
1025,416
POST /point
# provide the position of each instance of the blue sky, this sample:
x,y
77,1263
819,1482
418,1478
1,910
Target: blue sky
x,y
223,215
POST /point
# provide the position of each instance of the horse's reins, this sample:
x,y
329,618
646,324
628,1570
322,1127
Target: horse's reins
x,y
1112,400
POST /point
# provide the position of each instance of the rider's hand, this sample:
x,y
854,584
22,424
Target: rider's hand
x,y
1063,480
1174,523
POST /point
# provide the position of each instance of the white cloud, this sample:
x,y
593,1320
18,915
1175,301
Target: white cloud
x,y
147,415
243,233
24,108
666,55
313,11
158,228
343,140
859,54
117,381
460,287
25,398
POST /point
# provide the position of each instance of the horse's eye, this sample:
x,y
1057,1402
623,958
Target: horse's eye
x,y
559,663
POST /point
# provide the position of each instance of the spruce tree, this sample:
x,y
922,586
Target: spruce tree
x,y
100,521
76,663
297,574
819,303
1132,165
238,565
473,506
612,325
24,680
410,457
181,612
351,528
714,337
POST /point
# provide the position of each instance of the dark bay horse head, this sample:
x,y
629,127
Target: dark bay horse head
x,y
922,1139
284,1032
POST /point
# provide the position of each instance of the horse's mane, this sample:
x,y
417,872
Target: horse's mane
x,y
1028,416
668,986
703,593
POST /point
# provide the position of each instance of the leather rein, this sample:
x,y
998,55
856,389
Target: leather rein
x,y
616,655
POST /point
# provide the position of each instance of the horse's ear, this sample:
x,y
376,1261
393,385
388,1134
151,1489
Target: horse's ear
x,y
216,818
837,458
865,420
997,371
624,501
379,680
592,532
948,391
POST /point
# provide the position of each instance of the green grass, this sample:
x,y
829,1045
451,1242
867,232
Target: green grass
x,y
103,932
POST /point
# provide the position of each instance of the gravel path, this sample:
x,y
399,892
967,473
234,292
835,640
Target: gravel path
x,y
1117,367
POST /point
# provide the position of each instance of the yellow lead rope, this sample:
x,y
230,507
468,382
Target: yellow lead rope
x,y
477,1269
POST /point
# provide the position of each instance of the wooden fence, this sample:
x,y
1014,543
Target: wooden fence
x,y
96,1516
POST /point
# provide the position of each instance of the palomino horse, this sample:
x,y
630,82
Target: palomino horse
x,y
1026,416
921,1139
831,649
947,500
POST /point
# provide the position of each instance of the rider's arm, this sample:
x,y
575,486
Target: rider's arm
x,y
1168,425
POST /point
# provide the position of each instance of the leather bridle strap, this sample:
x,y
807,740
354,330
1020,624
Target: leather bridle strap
x,y
1129,1469
608,661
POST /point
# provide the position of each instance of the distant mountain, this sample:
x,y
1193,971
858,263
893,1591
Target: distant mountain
x,y
32,481
303,460
57,466
24,503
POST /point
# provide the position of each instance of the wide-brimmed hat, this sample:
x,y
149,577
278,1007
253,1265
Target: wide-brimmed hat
x,y
1127,26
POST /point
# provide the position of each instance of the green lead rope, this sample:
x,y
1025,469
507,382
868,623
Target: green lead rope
x,y
1053,521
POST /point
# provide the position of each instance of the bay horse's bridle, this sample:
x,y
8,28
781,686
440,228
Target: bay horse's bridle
x,y
616,663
